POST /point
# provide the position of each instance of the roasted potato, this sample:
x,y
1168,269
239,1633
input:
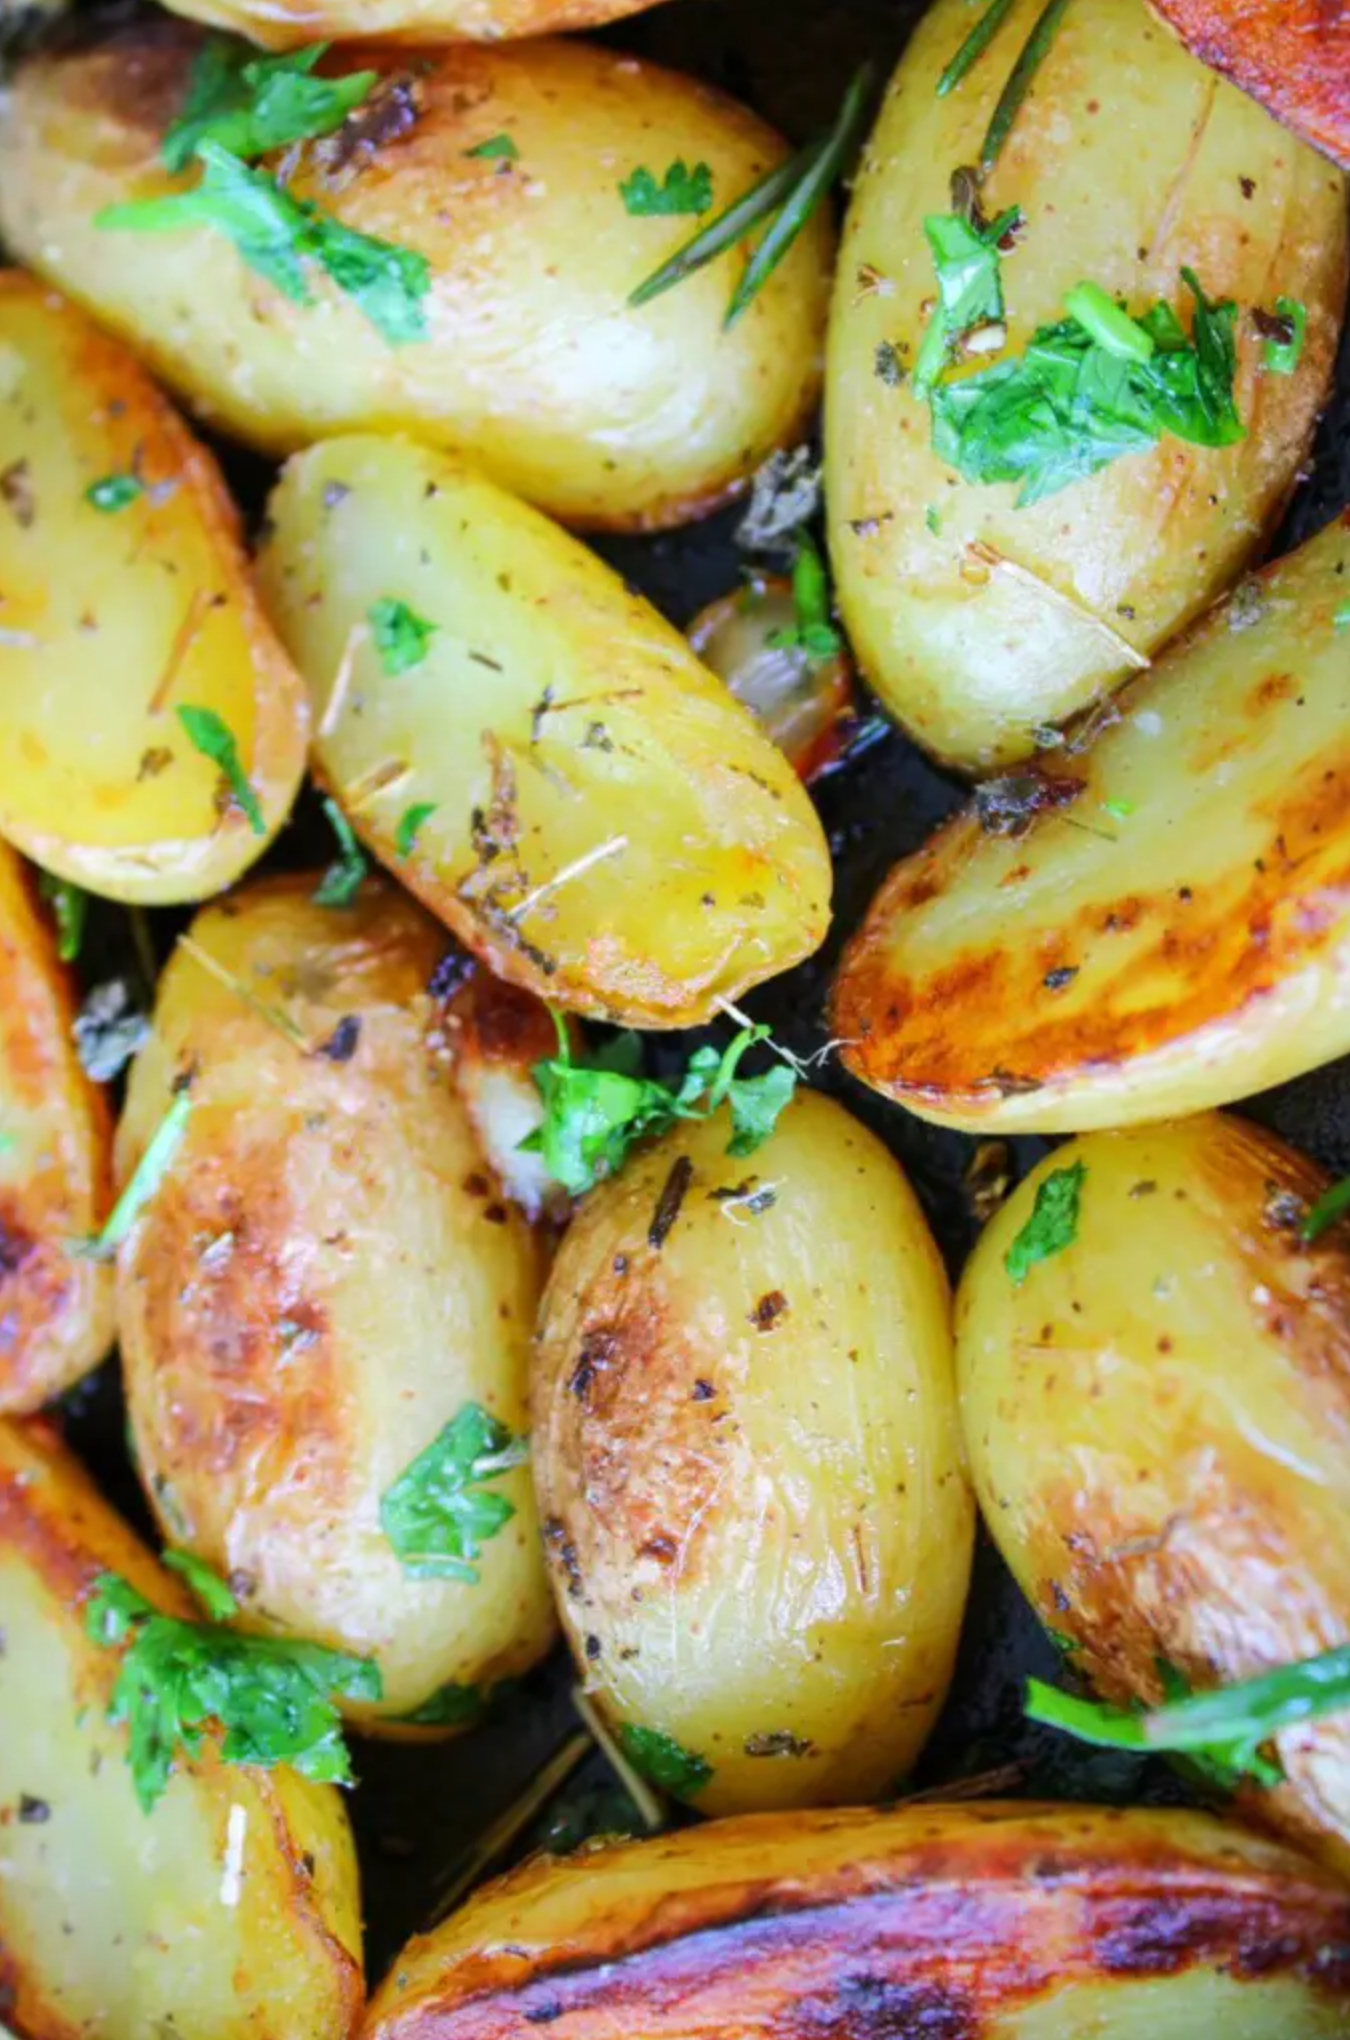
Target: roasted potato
x,y
532,363
803,700
1292,55
978,622
127,597
1143,923
228,1913
601,822
1158,1416
748,1466
323,1278
287,24
55,1143
1011,1922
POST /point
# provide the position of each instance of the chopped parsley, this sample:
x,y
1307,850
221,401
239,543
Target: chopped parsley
x,y
662,1760
269,1697
450,1706
212,736
441,1511
1284,335
932,517
342,881
402,637
207,1586
70,906
1330,1206
1053,1224
146,1178
410,826
1341,620
276,234
681,191
970,286
113,492
499,148
812,631
250,104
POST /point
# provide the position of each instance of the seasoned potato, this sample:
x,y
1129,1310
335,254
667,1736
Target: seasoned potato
x,y
287,24
1292,55
323,1279
228,1913
602,822
748,1464
120,608
55,1138
1011,1922
1159,1421
533,363
1146,925
979,622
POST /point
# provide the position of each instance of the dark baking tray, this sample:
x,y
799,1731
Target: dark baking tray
x,y
419,1810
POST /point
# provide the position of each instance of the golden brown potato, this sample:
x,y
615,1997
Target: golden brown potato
x,y
1007,1922
1146,923
55,1141
533,363
1292,55
117,617
598,819
324,1278
288,24
748,1465
1158,1416
978,622
230,1912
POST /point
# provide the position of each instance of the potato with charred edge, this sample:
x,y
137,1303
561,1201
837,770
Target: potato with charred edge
x,y
323,1281
127,599
228,1913
56,1315
290,24
1149,920
979,622
1013,1922
1158,1417
748,1463
602,822
1292,55
500,168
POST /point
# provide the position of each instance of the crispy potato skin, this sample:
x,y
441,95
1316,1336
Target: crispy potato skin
x,y
115,619
1170,930
1159,1423
610,828
113,1921
748,1462
325,1274
288,24
56,1310
1127,164
534,365
1292,55
988,1922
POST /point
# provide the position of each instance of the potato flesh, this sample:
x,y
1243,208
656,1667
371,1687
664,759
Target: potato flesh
x,y
610,828
324,1276
534,364
747,1460
1128,163
1174,935
119,1924
1158,1419
115,619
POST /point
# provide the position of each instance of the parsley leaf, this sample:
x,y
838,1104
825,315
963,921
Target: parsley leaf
x,y
410,826
1053,1224
402,637
70,905
970,286
439,1513
250,104
271,1696
1284,335
813,631
663,1760
497,147
342,881
112,492
1341,620
212,736
448,1707
275,232
683,191
208,1587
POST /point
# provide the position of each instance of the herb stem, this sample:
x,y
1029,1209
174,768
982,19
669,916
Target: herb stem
x,y
974,46
728,228
1330,1206
1100,316
145,1180
1019,83
646,1801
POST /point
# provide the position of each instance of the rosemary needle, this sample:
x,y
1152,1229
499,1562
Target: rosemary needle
x,y
974,46
1019,82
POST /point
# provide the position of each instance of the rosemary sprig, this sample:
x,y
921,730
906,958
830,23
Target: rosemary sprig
x,y
974,46
1019,82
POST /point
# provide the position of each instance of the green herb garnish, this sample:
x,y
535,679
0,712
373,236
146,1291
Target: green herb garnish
x,y
439,1512
113,492
932,517
1330,1206
70,906
146,1178
271,1697
1108,323
250,104
1341,620
212,736
342,881
410,826
1010,100
813,631
208,1587
276,234
970,286
1284,347
974,46
402,637
1053,1224
450,1706
498,148
663,1760
682,190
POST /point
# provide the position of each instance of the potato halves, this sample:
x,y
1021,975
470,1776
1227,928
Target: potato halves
x,y
230,1911
595,815
522,350
56,1315
127,599
977,621
325,1286
290,24
997,1922
1151,922
748,1466
1158,1417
